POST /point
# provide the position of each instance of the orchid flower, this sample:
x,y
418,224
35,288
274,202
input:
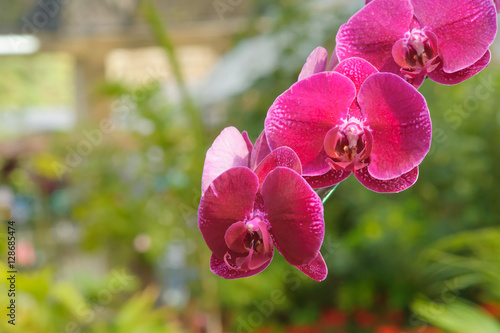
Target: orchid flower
x,y
446,40
252,203
352,120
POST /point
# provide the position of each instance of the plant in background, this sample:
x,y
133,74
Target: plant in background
x,y
462,262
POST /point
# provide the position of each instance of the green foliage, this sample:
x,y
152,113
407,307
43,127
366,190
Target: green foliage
x,y
46,304
473,257
40,76
454,266
138,315
459,316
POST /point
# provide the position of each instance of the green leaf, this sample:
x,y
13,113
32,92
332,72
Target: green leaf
x,y
457,316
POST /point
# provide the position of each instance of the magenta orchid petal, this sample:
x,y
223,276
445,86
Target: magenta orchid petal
x,y
295,214
303,114
394,185
372,31
398,53
429,66
252,261
266,239
397,116
317,166
229,199
259,151
497,4
464,28
316,269
248,142
440,76
354,111
327,179
219,267
229,150
416,82
281,156
334,61
332,135
392,67
235,236
315,63
249,244
356,69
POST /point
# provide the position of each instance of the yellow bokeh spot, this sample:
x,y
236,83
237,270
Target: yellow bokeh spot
x,y
373,230
44,165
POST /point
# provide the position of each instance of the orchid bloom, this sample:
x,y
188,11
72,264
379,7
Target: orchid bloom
x,y
252,203
446,40
352,120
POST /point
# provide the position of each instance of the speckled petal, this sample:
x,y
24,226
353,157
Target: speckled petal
x,y
317,165
220,268
417,81
229,199
316,269
397,116
327,179
282,156
394,185
440,76
356,69
229,150
295,214
303,114
464,28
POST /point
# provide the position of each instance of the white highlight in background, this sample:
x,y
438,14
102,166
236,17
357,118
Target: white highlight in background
x,y
18,44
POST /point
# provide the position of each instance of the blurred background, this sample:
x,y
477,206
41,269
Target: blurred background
x,y
107,108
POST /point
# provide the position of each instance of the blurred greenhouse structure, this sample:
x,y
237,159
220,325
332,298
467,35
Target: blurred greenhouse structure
x,y
107,109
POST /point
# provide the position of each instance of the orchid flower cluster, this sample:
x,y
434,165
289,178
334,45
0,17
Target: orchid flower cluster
x,y
360,114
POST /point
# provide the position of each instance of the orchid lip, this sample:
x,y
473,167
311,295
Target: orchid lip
x,y
252,240
417,52
348,146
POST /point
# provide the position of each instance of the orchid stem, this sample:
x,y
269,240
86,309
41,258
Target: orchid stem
x,y
329,193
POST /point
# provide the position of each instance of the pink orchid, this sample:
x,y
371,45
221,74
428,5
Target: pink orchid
x,y
352,120
255,203
446,40
316,63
